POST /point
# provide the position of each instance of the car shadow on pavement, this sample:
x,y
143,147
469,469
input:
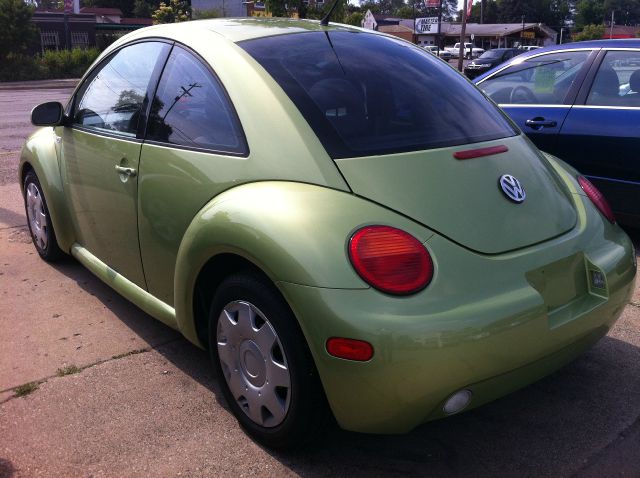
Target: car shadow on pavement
x,y
558,426
6,469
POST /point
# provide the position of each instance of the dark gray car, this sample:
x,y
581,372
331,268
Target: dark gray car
x,y
489,59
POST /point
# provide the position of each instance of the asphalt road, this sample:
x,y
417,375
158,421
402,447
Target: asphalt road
x,y
141,401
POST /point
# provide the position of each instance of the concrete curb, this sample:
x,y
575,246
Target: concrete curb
x,y
39,85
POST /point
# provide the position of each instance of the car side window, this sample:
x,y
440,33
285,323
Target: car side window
x,y
544,79
111,98
617,82
191,108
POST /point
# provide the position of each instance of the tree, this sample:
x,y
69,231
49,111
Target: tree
x,y
177,11
549,12
489,12
405,12
143,8
589,12
16,29
590,32
202,14
449,10
277,8
355,19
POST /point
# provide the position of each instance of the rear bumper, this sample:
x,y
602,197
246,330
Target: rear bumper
x,y
490,324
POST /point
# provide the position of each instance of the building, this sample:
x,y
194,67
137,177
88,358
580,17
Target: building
x,y
487,35
58,30
621,31
104,15
87,27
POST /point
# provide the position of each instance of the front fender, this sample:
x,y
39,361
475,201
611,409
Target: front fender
x,y
39,152
294,232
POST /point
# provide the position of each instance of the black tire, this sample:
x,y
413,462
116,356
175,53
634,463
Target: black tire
x,y
304,412
42,233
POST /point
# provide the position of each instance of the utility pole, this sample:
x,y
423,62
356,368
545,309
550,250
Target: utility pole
x,y
611,30
439,28
463,31
415,35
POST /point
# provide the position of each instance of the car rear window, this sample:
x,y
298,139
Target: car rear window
x,y
365,94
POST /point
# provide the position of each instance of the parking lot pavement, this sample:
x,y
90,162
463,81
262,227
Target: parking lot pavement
x,y
135,399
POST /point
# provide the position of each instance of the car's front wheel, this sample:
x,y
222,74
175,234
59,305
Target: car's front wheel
x,y
266,370
39,220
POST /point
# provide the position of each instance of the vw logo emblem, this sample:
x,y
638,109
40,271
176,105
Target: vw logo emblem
x,y
512,188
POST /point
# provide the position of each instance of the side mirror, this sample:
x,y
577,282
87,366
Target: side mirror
x,y
47,114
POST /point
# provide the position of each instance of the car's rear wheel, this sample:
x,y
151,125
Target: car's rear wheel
x,y
266,370
39,220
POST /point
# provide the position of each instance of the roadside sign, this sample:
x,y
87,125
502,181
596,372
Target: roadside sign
x,y
427,25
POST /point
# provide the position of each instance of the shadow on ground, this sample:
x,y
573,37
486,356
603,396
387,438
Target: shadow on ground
x,y
558,426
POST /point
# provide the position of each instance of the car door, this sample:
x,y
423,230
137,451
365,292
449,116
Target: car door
x,y
100,150
601,134
538,91
194,149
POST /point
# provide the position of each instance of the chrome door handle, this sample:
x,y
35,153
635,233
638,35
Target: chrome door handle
x,y
128,171
537,123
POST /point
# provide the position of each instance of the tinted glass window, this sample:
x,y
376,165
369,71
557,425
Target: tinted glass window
x,y
110,100
544,79
617,82
365,94
191,108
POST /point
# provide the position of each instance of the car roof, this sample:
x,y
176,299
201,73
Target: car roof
x,y
617,43
590,44
239,29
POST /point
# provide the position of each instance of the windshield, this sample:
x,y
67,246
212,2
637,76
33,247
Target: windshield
x,y
365,94
490,55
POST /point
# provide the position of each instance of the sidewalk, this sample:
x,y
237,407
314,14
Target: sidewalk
x,y
39,84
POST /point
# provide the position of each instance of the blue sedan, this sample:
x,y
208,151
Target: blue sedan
x,y
580,102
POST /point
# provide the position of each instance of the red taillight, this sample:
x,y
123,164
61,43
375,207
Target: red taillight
x,y
390,260
597,198
350,349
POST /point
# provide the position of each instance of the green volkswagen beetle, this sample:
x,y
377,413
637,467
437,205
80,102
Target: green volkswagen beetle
x,y
346,223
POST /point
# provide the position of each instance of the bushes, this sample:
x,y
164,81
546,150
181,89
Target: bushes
x,y
68,63
51,65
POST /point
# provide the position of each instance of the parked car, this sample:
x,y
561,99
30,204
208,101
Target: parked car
x,y
440,52
580,102
470,51
277,193
529,47
489,59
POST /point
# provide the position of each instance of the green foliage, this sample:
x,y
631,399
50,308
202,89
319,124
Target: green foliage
x,y
589,12
176,11
25,389
144,9
339,14
405,12
277,8
590,32
202,14
53,64
68,63
355,19
68,370
16,29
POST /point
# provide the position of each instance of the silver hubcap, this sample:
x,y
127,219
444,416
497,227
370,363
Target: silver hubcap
x,y
37,216
253,363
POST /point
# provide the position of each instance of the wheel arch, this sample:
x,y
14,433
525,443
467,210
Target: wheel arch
x,y
214,271
39,155
290,232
